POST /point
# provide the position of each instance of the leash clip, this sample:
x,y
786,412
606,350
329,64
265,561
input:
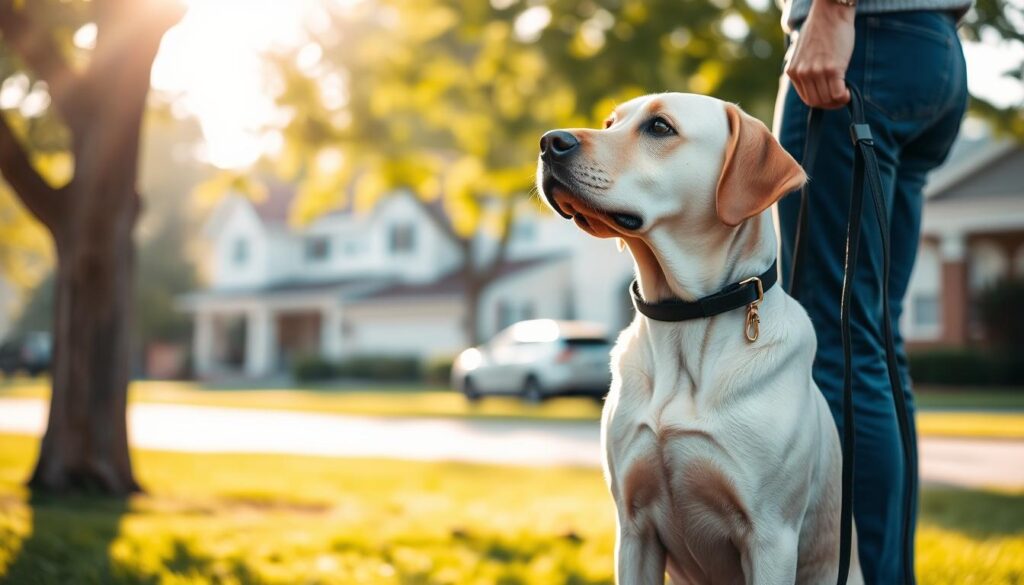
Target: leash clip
x,y
861,133
752,326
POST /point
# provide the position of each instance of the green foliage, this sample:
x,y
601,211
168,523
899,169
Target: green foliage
x,y
970,367
991,20
233,519
314,369
368,367
448,97
1001,308
438,370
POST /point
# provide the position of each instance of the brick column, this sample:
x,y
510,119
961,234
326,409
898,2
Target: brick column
x,y
954,293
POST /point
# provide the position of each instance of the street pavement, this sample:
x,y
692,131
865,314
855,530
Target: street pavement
x,y
172,427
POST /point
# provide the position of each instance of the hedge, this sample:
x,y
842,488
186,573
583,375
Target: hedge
x,y
373,368
966,367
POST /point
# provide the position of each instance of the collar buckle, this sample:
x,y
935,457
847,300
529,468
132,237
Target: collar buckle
x,y
752,326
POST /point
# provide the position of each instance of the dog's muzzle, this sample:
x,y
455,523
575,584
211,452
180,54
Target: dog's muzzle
x,y
557,148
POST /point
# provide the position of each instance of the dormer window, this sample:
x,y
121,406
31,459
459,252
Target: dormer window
x,y
317,248
240,252
402,239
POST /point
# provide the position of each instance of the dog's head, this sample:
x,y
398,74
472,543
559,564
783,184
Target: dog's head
x,y
668,161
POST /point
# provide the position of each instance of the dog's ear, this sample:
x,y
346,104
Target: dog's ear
x,y
757,171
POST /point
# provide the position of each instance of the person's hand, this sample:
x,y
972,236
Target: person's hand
x,y
821,55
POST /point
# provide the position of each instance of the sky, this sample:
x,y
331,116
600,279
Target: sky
x,y
210,67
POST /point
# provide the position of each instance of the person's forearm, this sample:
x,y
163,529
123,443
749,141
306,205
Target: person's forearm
x,y
822,54
833,12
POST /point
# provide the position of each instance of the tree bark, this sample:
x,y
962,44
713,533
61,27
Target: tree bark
x,y
85,447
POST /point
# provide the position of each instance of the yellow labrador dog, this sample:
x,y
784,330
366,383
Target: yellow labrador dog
x,y
720,452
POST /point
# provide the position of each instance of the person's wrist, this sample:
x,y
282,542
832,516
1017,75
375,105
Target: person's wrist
x,y
833,11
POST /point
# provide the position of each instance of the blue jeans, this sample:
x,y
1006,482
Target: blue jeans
x,y
910,68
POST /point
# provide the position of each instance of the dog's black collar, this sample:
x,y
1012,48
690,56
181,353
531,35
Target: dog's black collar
x,y
747,293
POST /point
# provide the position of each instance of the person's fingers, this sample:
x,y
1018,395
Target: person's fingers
x,y
839,95
796,80
821,89
818,98
796,77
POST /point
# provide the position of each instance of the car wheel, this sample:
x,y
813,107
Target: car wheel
x,y
532,391
470,390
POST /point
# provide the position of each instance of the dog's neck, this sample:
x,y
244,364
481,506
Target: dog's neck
x,y
690,264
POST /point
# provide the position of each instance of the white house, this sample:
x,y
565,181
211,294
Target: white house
x,y
388,282
382,283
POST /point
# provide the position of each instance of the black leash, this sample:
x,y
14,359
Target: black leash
x,y
865,169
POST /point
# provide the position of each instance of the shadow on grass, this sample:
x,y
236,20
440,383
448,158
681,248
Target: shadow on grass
x,y
69,541
978,514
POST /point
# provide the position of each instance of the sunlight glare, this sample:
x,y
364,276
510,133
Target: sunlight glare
x,y
212,65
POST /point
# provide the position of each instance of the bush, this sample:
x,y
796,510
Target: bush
x,y
965,367
314,369
438,371
1001,309
380,368
368,368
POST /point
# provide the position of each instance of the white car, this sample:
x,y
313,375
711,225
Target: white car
x,y
536,359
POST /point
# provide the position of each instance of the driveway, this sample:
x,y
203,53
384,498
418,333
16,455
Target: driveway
x,y
171,427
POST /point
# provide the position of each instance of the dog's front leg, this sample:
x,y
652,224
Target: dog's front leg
x,y
639,557
770,558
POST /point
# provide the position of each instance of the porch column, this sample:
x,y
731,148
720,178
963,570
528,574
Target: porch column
x,y
203,344
260,342
331,342
954,293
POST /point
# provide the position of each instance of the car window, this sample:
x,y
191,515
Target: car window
x,y
586,341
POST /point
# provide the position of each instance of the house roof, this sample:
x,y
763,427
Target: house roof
x,y
364,289
978,168
343,287
274,208
451,284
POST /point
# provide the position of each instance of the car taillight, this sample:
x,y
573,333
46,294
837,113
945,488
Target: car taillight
x,y
565,355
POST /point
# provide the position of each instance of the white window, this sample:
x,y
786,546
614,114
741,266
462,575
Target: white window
x,y
925,310
240,252
317,248
402,239
922,319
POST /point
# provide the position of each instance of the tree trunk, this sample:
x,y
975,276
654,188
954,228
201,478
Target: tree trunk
x,y
471,323
86,441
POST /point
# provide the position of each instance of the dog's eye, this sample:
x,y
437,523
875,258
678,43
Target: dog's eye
x,y
608,123
659,127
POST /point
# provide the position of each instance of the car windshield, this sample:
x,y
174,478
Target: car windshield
x,y
586,341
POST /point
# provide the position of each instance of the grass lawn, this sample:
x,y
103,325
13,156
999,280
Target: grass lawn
x,y
437,402
230,519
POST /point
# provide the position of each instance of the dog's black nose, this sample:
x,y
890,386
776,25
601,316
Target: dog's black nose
x,y
558,144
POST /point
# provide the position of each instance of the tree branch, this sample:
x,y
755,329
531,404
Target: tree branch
x,y
501,253
40,198
35,46
440,220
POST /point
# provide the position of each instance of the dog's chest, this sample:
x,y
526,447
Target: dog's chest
x,y
666,471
